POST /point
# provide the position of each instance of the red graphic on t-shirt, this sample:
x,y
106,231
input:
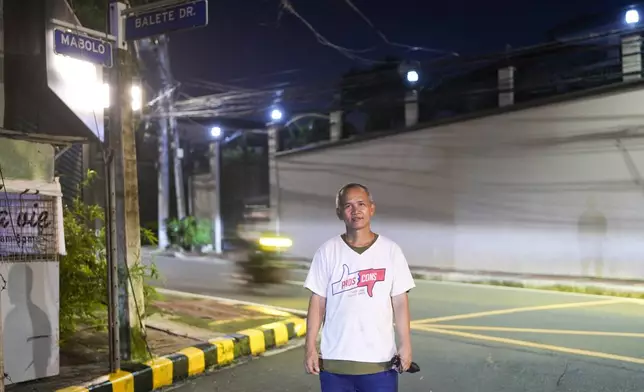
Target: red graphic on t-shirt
x,y
363,278
368,278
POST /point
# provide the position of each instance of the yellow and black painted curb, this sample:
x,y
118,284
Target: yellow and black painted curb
x,y
167,370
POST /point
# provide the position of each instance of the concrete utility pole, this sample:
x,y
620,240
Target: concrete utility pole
x,y
122,139
215,171
273,175
163,182
178,163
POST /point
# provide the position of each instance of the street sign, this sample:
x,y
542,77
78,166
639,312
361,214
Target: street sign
x,y
183,16
83,47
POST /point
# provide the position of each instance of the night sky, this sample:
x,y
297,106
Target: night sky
x,y
252,43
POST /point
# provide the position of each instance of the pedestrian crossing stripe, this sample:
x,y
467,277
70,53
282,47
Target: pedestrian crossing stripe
x,y
191,361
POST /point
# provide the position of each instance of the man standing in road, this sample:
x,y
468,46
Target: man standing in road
x,y
359,283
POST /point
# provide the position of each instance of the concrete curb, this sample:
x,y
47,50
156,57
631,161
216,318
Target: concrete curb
x,y
528,282
191,361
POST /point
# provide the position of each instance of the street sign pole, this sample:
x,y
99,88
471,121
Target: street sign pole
x,y
123,218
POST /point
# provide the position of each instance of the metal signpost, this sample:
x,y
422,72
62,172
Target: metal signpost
x,y
143,22
131,24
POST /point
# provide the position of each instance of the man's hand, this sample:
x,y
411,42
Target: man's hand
x,y
312,361
405,357
401,316
317,309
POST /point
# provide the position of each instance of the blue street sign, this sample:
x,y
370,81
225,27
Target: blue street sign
x,y
82,47
184,16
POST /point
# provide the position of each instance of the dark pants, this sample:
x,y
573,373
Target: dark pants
x,y
379,382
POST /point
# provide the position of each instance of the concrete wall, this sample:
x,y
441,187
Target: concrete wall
x,y
544,190
26,160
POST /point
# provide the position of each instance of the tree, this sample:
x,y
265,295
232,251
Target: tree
x,y
93,13
378,92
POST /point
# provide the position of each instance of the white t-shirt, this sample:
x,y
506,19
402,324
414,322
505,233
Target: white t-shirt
x,y
358,288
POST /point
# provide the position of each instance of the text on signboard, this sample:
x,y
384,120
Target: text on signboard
x,y
164,17
82,43
25,218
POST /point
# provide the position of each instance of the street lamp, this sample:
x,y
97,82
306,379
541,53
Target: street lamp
x,y
215,132
136,95
276,114
632,17
215,170
632,48
412,76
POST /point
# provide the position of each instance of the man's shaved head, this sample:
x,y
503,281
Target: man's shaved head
x,y
340,196
355,206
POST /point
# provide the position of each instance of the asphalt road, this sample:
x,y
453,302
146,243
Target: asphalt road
x,y
467,338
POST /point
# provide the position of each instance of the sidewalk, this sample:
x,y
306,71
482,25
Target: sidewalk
x,y
186,334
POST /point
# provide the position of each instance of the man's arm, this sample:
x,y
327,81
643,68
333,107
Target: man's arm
x,y
314,319
401,316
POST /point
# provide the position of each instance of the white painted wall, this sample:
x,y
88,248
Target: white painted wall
x,y
499,193
30,306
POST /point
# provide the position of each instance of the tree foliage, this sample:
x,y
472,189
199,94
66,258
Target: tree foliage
x,y
93,13
83,270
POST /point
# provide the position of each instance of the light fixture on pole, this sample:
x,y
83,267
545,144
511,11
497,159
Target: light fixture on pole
x,y
632,17
215,156
136,93
215,132
412,76
632,48
409,71
276,114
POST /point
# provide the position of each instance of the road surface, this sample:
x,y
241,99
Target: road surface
x,y
466,338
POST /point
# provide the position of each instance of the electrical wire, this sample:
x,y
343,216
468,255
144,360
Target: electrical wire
x,y
351,54
386,40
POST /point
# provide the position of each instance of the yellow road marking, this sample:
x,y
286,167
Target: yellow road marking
x,y
196,360
256,340
267,310
538,330
299,325
523,343
161,372
280,331
122,381
73,389
517,310
225,350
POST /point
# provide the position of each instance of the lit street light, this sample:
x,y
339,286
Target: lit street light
x,y
632,16
136,93
215,170
276,115
215,132
412,76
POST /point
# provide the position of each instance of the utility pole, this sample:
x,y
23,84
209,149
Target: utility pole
x,y
273,175
122,143
176,140
163,182
215,171
112,259
178,163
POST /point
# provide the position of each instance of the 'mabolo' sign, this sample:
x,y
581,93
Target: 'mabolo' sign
x,y
82,47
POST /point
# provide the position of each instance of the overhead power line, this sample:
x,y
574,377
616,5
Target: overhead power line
x,y
389,42
347,52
